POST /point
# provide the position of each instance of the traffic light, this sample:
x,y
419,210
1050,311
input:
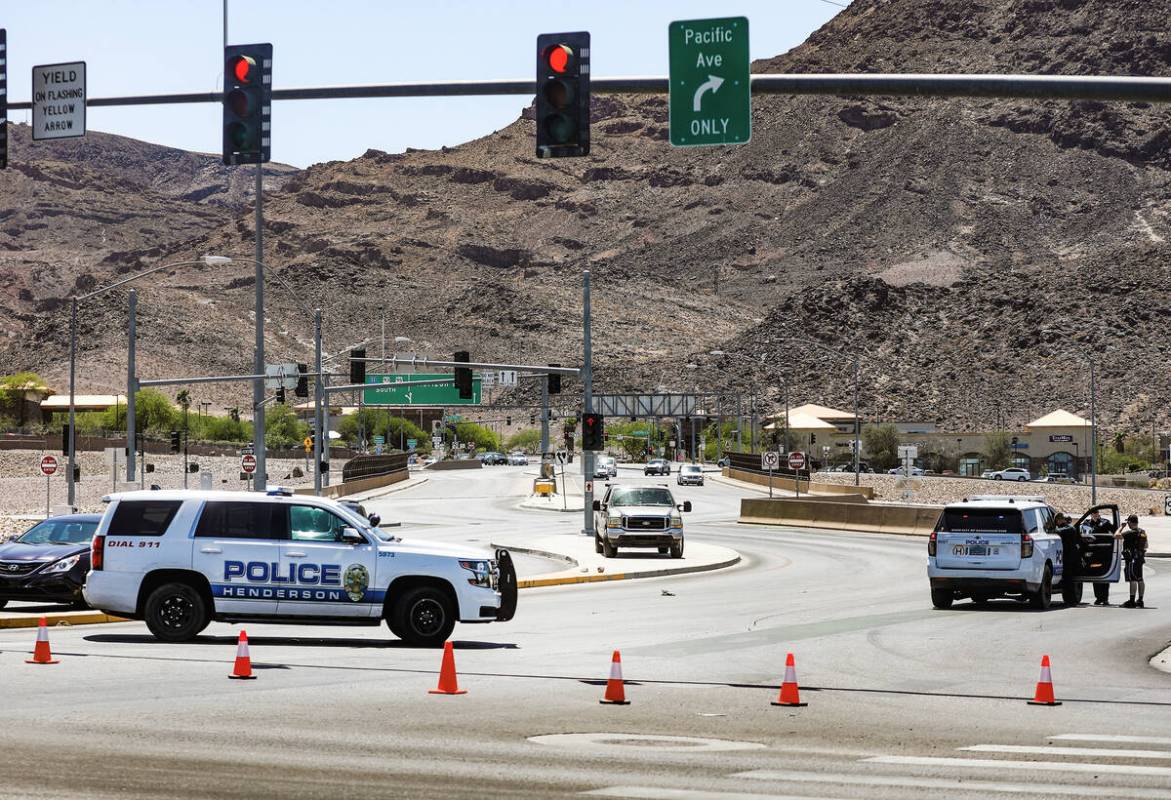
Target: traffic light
x,y
358,365
813,438
247,103
65,439
532,419
463,375
592,435
3,98
280,395
302,389
563,95
508,421
554,381
176,441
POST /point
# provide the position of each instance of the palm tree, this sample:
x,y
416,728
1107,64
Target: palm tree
x,y
1119,442
184,401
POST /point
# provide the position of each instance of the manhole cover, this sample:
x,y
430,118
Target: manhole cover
x,y
643,741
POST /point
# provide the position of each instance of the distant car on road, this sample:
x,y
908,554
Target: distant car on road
x,y
492,457
638,516
690,475
605,467
1009,474
726,461
48,562
1053,479
657,466
518,459
915,471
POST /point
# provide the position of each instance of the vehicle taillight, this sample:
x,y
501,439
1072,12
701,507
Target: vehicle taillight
x,y
1026,546
931,543
96,552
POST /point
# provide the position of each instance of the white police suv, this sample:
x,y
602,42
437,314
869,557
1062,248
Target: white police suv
x,y
998,546
180,559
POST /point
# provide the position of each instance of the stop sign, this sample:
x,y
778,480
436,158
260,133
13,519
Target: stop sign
x,y
48,465
796,460
248,463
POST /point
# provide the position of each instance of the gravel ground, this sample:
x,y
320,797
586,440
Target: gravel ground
x,y
937,491
22,487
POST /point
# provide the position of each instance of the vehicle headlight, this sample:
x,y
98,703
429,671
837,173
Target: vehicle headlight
x,y
613,522
481,572
64,565
676,522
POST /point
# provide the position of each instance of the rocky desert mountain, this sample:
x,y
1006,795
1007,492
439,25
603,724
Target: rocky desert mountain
x,y
975,251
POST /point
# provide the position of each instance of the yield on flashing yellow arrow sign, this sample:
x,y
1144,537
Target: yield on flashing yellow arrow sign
x,y
710,94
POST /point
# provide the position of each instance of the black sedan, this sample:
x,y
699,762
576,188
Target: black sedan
x,y
48,562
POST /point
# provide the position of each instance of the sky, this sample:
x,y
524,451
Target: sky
x,y
162,46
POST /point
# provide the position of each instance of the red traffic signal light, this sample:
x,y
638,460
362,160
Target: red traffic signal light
x,y
247,104
558,57
563,95
592,435
242,67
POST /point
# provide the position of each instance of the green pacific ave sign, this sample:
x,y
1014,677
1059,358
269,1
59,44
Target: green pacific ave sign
x,y
710,94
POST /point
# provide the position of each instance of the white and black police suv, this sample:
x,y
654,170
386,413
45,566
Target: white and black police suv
x,y
180,559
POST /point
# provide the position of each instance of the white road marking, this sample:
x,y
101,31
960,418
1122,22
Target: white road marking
x,y
1070,790
1047,750
657,793
1037,766
1107,737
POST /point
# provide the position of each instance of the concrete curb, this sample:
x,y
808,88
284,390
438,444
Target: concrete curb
x,y
570,510
567,580
60,618
402,486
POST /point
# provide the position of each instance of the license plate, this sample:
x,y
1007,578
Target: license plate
x,y
974,550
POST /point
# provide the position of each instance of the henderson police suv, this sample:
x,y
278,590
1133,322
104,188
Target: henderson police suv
x,y
179,559
997,546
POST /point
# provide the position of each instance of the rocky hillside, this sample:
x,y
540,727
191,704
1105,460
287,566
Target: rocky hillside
x,y
972,247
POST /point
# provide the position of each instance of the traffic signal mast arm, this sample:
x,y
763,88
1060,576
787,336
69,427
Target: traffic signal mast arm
x,y
428,363
1068,87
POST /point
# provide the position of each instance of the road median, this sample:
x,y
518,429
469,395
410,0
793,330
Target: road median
x,y
32,618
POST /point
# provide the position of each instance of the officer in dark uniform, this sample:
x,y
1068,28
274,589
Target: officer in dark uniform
x,y
1134,553
1096,525
1071,549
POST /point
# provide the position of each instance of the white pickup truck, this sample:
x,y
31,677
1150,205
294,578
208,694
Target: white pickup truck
x,y
998,546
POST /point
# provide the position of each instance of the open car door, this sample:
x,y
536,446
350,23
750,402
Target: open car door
x,y
1102,558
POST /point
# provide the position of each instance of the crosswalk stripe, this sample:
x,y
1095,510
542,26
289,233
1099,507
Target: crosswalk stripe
x,y
1038,766
1048,750
1069,790
1109,737
662,793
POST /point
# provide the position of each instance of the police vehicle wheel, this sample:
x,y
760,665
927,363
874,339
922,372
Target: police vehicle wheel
x,y
677,550
609,550
941,598
175,612
1042,598
423,616
1072,595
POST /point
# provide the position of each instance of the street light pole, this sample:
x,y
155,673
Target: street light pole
x,y
318,386
258,355
72,438
587,380
1093,436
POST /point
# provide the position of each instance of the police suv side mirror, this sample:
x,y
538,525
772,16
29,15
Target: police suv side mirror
x,y
686,506
351,536
597,505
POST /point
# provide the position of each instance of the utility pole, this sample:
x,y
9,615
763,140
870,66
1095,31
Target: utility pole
x,y
719,428
857,424
545,418
131,388
70,444
1093,435
317,396
739,423
258,360
587,381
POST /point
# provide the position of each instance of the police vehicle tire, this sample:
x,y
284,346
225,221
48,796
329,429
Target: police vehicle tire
x,y
677,550
941,598
422,616
1072,595
609,550
175,612
1043,597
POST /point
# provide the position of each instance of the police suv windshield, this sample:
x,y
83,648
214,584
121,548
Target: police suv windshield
x,y
641,497
59,532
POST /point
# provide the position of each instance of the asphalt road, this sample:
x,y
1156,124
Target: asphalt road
x,y
904,701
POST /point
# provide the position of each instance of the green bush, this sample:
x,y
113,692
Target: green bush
x,y
528,440
282,428
881,443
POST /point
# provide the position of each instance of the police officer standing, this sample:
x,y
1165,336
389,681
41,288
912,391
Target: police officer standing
x,y
1134,553
1098,526
1071,553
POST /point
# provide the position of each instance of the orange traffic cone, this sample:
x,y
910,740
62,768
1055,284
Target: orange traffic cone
x,y
448,684
242,671
1044,694
41,652
789,695
615,689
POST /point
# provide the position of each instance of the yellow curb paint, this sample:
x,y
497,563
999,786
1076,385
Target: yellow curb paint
x,y
32,621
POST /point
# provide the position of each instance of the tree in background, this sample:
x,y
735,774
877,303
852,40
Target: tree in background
x,y
998,450
714,432
882,445
528,440
154,411
632,447
12,389
282,428
184,401
484,438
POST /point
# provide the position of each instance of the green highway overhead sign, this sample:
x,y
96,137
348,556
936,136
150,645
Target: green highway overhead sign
x,y
710,95
395,390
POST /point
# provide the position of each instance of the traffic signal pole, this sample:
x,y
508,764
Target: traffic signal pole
x,y
318,394
544,418
258,356
587,383
131,387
